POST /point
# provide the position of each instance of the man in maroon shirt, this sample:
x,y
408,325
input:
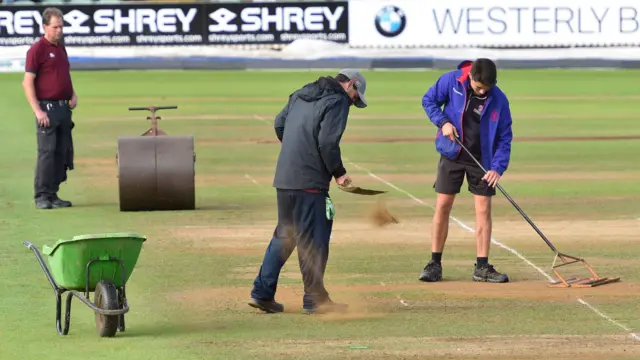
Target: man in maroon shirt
x,y
48,88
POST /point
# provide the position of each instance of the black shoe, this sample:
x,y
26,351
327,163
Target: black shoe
x,y
43,203
59,203
268,306
488,274
432,272
326,307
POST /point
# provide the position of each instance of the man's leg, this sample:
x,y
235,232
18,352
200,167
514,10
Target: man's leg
x,y
277,253
314,223
482,195
63,116
440,227
483,227
63,134
45,172
448,183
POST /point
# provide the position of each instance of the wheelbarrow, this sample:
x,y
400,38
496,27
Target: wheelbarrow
x,y
98,263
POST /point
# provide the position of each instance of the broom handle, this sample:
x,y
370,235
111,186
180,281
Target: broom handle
x,y
533,225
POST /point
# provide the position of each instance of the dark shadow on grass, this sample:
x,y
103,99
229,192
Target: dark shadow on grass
x,y
169,330
220,207
116,206
106,205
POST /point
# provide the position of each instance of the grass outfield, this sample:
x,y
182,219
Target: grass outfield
x,y
574,171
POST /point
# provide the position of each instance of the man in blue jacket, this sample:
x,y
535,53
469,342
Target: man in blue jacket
x,y
310,128
477,112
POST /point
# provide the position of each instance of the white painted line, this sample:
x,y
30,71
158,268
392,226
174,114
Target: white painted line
x,y
252,179
470,229
633,335
513,251
260,118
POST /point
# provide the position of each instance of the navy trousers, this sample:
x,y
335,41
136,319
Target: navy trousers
x,y
303,223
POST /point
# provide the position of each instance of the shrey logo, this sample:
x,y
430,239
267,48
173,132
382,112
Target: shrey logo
x,y
106,20
282,18
390,21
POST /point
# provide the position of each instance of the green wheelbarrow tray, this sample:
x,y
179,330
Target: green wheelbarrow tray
x,y
99,263
71,260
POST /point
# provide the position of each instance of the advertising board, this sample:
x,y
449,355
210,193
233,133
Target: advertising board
x,y
181,23
493,23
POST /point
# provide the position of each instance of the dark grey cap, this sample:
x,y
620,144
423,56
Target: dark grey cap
x,y
360,83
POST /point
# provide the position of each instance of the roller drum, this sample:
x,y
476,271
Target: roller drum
x,y
156,173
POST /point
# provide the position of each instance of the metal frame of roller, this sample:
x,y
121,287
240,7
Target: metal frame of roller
x,y
156,171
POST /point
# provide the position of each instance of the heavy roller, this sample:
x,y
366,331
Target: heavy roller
x,y
156,171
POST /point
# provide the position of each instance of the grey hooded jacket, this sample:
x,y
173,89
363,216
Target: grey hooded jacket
x,y
310,128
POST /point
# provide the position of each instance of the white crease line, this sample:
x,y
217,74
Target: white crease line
x,y
470,229
260,118
633,335
513,251
252,179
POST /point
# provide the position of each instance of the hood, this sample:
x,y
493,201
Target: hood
x,y
323,87
465,68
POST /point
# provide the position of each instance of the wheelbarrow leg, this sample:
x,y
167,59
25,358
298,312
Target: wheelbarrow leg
x,y
58,292
67,313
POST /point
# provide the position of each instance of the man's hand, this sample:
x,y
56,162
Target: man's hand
x,y
449,131
343,180
73,102
492,178
42,117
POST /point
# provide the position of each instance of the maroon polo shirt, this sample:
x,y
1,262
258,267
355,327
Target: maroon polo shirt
x,y
51,65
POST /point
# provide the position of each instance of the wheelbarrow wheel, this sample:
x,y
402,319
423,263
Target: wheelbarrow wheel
x,y
106,298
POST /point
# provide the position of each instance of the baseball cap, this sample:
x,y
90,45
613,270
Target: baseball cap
x,y
360,83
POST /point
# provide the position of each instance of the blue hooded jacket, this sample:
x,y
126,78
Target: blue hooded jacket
x,y
495,121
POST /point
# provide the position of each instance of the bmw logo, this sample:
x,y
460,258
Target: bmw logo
x,y
390,21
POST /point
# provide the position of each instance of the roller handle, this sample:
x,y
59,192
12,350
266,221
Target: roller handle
x,y
152,108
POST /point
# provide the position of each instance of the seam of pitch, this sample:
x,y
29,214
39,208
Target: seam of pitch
x,y
493,240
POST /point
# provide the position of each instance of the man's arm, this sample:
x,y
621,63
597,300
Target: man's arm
x,y
332,127
280,120
435,97
73,102
28,83
502,155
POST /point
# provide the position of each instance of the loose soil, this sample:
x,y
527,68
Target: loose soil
x,y
416,230
533,347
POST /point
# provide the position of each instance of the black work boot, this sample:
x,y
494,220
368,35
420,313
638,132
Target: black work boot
x,y
327,306
268,306
487,273
432,272
43,203
59,203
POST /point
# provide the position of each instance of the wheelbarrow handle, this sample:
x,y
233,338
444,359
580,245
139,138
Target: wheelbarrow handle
x,y
42,265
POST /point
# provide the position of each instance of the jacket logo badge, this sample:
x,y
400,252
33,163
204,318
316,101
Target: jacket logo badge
x,y
494,115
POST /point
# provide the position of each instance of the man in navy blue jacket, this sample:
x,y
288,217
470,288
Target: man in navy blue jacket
x,y
477,112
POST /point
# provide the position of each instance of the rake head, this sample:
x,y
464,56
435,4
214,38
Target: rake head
x,y
577,282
